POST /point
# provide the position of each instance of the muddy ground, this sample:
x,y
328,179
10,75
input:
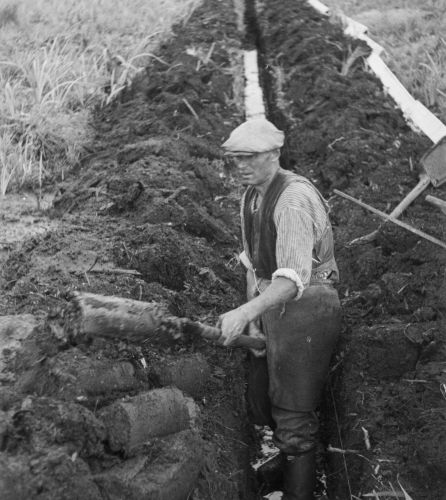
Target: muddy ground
x,y
151,214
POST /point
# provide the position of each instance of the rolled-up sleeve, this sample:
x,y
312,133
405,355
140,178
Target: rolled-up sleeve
x,y
294,246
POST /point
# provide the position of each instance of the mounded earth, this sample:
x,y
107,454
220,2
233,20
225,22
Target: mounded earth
x,y
151,214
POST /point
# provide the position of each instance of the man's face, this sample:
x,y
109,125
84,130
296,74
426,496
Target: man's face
x,y
255,169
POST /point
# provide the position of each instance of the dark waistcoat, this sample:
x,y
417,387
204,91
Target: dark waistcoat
x,y
260,230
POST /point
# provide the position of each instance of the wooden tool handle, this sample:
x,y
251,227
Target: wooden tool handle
x,y
437,202
213,333
391,219
410,197
398,210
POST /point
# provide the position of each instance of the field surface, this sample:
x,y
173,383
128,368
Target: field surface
x,y
57,61
412,34
150,213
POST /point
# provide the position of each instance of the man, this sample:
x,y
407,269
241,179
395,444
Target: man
x,y
288,254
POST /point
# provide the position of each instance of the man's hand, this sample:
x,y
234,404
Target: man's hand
x,y
232,324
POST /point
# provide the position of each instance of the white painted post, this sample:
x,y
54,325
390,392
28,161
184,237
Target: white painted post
x,y
415,113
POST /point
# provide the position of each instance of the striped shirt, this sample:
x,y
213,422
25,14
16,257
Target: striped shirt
x,y
301,219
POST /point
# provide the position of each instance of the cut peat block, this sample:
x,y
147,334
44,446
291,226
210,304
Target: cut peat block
x,y
132,422
90,315
13,330
73,375
47,422
53,476
169,475
188,373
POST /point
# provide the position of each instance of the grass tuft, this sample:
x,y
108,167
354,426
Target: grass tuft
x,y
57,60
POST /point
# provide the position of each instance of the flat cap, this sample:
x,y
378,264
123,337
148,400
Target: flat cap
x,y
257,135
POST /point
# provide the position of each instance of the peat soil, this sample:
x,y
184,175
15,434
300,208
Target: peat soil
x,y
151,197
151,214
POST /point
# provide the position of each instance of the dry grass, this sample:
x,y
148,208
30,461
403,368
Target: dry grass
x,y
414,36
57,59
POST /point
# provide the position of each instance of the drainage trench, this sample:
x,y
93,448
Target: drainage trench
x,y
331,475
255,41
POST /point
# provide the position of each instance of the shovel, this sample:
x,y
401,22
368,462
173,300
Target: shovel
x,y
433,164
386,217
90,315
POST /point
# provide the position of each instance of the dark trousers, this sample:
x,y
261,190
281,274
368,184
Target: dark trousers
x,y
284,388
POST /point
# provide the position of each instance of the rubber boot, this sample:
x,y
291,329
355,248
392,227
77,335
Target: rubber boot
x,y
270,474
300,476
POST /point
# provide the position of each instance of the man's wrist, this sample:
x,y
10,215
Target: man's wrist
x,y
248,311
